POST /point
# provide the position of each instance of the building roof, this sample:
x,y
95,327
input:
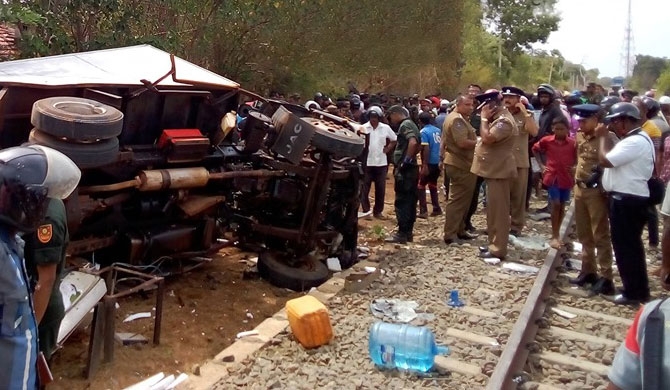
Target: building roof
x,y
7,42
125,66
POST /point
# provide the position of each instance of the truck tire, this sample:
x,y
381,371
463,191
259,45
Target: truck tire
x,y
310,273
86,156
76,119
335,139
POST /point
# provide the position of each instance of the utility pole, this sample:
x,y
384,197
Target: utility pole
x,y
627,53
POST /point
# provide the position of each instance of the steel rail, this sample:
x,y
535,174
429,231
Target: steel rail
x,y
514,356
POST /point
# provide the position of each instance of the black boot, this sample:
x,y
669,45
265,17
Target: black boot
x,y
583,279
435,200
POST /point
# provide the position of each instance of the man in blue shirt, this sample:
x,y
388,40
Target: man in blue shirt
x,y
430,165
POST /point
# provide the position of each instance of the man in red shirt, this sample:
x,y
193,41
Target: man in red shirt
x,y
557,156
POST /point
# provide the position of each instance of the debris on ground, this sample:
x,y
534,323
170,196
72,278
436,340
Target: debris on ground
x,y
137,316
395,310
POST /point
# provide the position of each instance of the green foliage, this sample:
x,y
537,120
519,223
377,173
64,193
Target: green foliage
x,y
308,45
521,23
663,82
647,70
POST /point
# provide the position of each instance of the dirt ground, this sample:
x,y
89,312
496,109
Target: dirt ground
x,y
203,311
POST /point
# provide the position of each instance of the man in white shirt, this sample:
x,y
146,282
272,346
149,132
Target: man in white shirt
x,y
628,166
381,141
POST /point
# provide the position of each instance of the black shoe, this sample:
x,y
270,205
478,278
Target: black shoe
x,y
422,215
515,233
483,249
397,238
604,286
435,213
622,300
470,228
489,255
583,279
410,237
544,209
468,236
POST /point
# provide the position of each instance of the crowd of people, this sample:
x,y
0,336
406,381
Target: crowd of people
x,y
575,144
605,150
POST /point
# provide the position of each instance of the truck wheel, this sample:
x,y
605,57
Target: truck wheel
x,y
333,138
77,119
309,273
91,155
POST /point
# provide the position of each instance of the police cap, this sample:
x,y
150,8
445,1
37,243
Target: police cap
x,y
512,91
485,97
585,111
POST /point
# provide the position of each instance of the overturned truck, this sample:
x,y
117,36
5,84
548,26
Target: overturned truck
x,y
175,166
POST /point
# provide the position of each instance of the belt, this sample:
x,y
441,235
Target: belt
x,y
583,185
621,196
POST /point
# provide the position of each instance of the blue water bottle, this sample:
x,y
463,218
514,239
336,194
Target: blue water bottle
x,y
404,346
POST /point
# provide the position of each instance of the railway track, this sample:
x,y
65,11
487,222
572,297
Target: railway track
x,y
517,330
561,337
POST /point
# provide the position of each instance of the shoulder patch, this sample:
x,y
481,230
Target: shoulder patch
x,y
500,125
44,233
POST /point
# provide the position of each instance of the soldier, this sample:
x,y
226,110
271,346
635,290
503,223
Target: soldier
x,y
406,173
591,209
494,161
45,259
527,127
456,152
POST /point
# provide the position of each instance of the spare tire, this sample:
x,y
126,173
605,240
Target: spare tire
x,y
76,119
336,139
86,156
310,272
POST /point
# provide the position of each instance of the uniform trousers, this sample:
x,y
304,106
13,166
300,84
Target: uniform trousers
x,y
593,231
461,186
518,199
497,214
474,202
406,181
628,215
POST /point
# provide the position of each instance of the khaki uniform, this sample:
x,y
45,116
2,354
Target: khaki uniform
x,y
520,184
591,211
457,164
495,163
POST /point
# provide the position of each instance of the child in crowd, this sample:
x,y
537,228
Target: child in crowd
x,y
557,156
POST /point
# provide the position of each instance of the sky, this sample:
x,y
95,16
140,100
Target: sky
x,y
592,32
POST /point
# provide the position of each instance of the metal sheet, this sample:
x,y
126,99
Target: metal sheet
x,y
294,135
124,66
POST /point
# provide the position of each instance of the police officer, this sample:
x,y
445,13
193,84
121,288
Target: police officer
x,y
406,173
28,176
527,128
457,152
494,161
45,259
593,228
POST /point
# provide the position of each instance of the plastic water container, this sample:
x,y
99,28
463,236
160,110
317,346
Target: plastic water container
x,y
309,320
404,346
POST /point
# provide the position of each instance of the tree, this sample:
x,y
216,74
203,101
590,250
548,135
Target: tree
x,y
520,23
646,71
663,82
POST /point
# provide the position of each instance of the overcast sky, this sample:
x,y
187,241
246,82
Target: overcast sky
x,y
591,32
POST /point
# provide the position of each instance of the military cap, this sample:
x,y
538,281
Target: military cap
x,y
585,111
488,95
512,91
